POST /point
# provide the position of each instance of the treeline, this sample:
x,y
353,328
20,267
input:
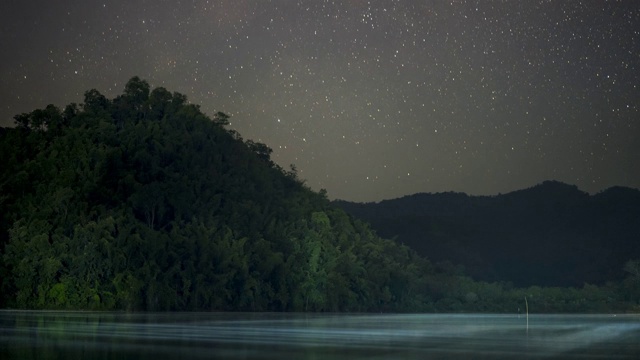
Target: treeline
x,y
143,202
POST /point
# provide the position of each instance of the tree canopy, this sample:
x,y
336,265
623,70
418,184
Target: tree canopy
x,y
143,202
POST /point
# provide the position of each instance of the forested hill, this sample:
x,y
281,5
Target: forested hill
x,y
142,202
549,235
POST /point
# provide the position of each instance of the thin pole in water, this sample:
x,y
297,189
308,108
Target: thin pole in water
x,y
526,304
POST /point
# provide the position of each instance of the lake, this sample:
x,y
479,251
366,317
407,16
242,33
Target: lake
x,y
157,336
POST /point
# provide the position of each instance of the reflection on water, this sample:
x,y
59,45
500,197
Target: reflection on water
x,y
63,335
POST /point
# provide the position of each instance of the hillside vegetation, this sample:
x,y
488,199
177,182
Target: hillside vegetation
x,y
143,202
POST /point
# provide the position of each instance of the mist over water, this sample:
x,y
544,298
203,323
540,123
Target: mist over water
x,y
36,335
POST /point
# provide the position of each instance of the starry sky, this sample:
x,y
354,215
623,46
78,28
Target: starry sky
x,y
370,100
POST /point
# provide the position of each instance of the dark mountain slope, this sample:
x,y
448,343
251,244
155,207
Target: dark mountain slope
x,y
550,235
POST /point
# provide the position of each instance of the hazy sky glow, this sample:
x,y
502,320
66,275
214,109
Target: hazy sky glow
x,y
369,99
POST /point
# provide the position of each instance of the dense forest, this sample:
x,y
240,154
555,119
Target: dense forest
x,y
143,202
549,235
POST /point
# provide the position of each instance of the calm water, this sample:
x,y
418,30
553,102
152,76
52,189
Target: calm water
x,y
79,335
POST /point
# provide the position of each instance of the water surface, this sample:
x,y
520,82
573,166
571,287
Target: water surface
x,y
157,336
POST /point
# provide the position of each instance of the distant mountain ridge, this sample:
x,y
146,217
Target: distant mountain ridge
x,y
551,234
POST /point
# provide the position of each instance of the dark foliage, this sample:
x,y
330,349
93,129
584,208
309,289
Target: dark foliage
x,y
145,203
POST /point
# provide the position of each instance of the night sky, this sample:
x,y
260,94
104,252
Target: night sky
x,y
369,99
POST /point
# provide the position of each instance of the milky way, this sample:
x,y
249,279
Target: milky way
x,y
369,99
